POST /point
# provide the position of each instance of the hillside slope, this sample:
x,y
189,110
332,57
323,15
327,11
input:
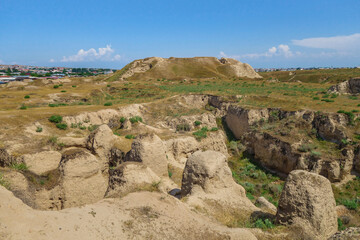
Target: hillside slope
x,y
183,68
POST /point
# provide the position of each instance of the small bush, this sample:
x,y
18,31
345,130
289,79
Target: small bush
x,y
202,133
306,147
39,129
62,126
63,90
263,224
341,226
214,129
56,119
316,98
327,100
122,119
56,86
23,107
129,136
135,119
315,153
74,86
183,127
351,204
74,125
108,104
353,97
27,96
92,127
197,123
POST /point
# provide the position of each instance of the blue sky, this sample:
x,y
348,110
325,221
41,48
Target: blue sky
x,y
263,33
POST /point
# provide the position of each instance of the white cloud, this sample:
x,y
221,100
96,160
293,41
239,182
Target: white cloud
x,y
1,61
280,51
52,60
103,54
349,42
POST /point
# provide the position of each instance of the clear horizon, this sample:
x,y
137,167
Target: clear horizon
x,y
110,34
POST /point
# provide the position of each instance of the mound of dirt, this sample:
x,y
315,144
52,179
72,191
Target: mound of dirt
x,y
184,68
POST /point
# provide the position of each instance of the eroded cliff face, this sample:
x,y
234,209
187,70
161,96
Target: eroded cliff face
x,y
287,140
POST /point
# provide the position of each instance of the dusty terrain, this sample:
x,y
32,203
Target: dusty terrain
x,y
149,153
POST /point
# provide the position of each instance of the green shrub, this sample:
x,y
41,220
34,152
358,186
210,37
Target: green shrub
x,y
341,226
316,98
3,182
56,86
62,126
263,224
122,119
23,107
63,90
170,173
306,147
214,129
315,153
353,97
39,129
183,127
197,123
74,86
56,119
19,166
92,127
74,125
129,136
108,104
135,119
200,134
327,100
27,96
351,204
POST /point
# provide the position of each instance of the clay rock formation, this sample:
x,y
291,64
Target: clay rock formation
x,y
141,215
307,202
239,120
208,179
150,150
82,181
351,86
265,205
239,69
184,68
131,177
101,141
42,162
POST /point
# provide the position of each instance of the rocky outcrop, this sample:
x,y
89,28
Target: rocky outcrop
x,y
331,127
149,150
141,215
274,153
351,233
239,120
239,69
131,177
100,142
42,162
307,202
179,149
265,205
205,119
6,159
81,179
351,86
207,182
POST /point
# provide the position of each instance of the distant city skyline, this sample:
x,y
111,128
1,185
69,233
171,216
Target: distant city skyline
x,y
109,34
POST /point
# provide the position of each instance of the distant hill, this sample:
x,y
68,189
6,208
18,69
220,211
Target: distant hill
x,y
182,68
